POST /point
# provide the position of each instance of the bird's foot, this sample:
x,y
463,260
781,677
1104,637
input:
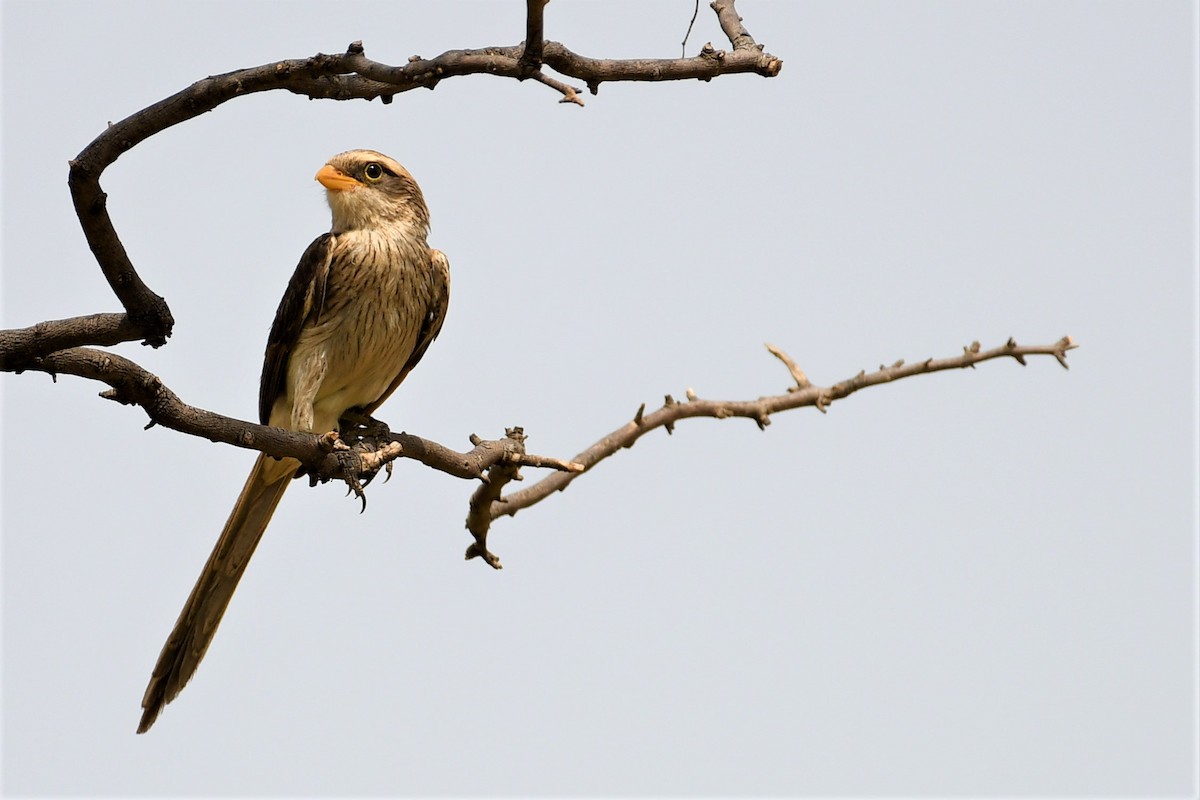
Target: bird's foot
x,y
358,426
368,434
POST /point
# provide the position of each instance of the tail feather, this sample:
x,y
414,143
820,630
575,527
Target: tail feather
x,y
202,612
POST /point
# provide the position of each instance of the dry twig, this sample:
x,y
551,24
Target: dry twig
x,y
760,410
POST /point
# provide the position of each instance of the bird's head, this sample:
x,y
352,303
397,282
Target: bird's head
x,y
367,189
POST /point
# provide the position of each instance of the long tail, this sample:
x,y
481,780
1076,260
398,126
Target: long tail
x,y
206,605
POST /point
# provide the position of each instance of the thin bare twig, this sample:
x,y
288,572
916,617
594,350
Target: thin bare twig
x,y
570,93
761,409
802,381
688,32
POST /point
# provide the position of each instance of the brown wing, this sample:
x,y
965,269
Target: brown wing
x,y
435,315
301,304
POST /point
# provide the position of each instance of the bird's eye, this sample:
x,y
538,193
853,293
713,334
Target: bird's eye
x,y
373,172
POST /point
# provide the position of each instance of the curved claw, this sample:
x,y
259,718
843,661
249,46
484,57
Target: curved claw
x,y
350,476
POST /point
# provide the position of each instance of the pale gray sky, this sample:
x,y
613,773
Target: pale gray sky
x,y
970,583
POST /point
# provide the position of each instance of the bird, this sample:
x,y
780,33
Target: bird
x,y
359,312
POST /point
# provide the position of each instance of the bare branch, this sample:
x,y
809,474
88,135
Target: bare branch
x,y
731,24
322,457
133,385
479,518
761,409
20,346
348,76
802,381
496,462
570,93
531,57
709,64
148,311
562,465
474,464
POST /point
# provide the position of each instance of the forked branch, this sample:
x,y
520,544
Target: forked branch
x,y
346,76
804,393
498,462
